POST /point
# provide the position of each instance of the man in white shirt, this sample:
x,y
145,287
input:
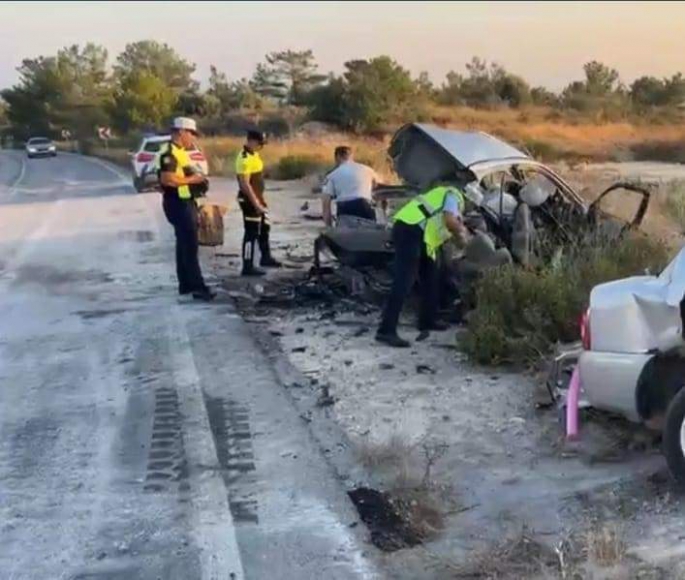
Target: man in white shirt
x,y
351,185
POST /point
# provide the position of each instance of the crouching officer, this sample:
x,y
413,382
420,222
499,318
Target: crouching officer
x,y
181,183
420,228
249,169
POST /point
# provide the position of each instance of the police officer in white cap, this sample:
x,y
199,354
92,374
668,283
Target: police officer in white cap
x,y
181,184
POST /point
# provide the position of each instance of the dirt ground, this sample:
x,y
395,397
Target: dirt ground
x,y
473,457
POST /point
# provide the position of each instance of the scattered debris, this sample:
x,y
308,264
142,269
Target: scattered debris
x,y
299,349
425,369
325,399
386,366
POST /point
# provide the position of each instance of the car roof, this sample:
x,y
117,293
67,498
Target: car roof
x,y
469,148
40,139
155,138
424,153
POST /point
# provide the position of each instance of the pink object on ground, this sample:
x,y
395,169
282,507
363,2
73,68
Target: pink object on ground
x,y
572,405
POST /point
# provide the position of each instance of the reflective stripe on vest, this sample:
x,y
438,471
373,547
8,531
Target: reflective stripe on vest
x,y
182,161
426,210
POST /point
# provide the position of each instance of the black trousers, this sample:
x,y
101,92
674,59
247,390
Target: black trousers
x,y
182,214
256,230
359,207
410,259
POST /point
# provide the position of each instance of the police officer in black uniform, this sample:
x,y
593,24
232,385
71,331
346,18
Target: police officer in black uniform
x,y
181,184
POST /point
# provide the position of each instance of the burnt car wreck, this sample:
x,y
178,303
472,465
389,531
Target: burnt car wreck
x,y
518,210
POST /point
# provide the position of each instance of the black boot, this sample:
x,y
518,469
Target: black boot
x,y
267,260
248,260
392,339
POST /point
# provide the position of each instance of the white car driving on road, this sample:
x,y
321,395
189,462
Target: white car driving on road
x,y
144,161
40,147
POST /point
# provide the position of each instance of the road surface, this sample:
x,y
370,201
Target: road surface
x,y
141,436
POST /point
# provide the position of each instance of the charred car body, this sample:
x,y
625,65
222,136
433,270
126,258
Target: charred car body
x,y
518,209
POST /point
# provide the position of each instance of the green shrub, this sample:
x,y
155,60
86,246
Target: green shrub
x,y
295,167
520,314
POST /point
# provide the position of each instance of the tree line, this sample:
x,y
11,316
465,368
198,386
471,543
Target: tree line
x,y
78,89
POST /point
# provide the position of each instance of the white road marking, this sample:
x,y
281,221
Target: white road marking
x,y
14,187
109,167
213,526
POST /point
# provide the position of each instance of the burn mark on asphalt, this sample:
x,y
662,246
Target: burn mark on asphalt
x,y
230,425
95,314
167,465
52,277
390,530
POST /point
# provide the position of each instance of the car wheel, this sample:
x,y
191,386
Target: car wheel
x,y
674,437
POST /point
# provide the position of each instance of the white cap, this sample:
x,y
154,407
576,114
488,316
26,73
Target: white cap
x,y
184,123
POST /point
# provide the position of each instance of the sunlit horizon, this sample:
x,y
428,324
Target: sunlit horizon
x,y
546,43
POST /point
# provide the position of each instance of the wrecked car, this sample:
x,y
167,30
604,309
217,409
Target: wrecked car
x,y
518,209
632,360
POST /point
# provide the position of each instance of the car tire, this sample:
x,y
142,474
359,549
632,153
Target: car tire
x,y
138,184
673,444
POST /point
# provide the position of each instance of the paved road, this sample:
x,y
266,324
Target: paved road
x,y
141,437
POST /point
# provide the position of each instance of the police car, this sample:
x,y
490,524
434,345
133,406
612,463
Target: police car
x,y
144,161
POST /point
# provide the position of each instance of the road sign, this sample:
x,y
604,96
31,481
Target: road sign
x,y
104,133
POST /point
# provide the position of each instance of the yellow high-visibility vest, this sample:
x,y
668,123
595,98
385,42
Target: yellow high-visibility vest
x,y
426,210
183,162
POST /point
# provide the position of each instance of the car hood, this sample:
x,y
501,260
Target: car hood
x,y
424,153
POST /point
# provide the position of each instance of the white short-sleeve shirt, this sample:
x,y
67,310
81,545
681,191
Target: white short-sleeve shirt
x,y
350,180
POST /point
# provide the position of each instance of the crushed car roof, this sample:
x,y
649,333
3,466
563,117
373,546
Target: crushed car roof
x,y
422,153
470,148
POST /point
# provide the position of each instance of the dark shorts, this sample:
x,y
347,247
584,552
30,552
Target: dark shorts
x,y
360,208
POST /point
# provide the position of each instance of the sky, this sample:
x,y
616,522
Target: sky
x,y
545,42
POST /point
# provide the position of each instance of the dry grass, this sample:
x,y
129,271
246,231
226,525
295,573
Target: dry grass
x,y
597,553
545,133
317,151
605,545
564,137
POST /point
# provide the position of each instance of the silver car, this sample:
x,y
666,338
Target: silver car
x,y
40,147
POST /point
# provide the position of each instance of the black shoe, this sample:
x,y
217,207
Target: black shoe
x,y
205,295
252,271
270,263
392,340
437,326
184,292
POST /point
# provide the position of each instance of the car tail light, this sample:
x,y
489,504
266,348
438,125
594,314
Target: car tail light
x,y
197,156
585,330
145,157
